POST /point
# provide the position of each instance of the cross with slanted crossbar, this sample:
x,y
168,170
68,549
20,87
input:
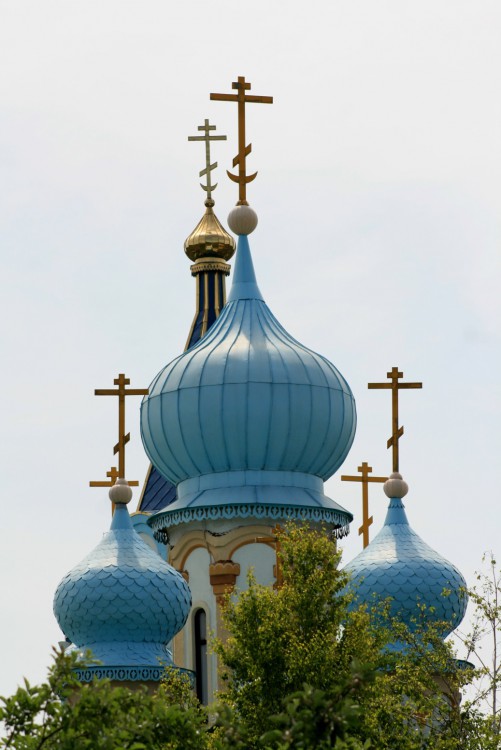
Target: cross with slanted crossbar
x,y
395,386
364,470
208,166
123,438
241,85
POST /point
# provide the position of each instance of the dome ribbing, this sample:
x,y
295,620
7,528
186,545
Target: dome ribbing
x,y
248,399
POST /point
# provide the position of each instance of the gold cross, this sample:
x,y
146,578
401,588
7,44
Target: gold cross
x,y
365,470
123,438
241,85
395,386
113,475
208,166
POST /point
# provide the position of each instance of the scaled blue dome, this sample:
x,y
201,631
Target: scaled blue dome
x,y
400,565
124,604
248,398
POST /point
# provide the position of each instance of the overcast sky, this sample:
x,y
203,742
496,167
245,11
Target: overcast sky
x,y
378,244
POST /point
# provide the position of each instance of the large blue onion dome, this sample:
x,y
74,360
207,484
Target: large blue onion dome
x,y
249,417
399,565
123,603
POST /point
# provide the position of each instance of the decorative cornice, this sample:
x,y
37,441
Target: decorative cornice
x,y
127,674
210,265
161,521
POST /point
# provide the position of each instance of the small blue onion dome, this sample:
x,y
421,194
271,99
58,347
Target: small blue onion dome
x,y
399,565
248,405
122,602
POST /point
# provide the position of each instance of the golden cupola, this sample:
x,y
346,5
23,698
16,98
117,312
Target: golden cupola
x,y
209,240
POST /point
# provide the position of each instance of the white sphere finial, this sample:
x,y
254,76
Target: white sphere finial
x,y
120,493
395,486
242,219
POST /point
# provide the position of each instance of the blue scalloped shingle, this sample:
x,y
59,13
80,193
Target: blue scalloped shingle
x,y
398,564
122,601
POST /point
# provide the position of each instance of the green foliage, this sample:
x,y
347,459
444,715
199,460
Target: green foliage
x,y
62,714
314,719
291,651
299,634
303,669
483,643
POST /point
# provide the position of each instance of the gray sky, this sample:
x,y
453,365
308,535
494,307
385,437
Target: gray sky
x,y
378,197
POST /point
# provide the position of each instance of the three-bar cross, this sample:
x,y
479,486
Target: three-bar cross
x,y
395,386
241,85
123,438
364,470
208,166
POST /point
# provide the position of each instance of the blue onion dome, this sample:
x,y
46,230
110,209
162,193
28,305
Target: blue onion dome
x,y
398,564
248,416
122,602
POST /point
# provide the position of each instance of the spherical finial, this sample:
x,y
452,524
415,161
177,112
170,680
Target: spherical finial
x,y
395,486
120,493
242,219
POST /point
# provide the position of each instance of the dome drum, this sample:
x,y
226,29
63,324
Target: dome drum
x,y
257,494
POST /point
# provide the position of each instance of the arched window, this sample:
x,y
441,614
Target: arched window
x,y
201,666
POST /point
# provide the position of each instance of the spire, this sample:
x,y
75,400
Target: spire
x,y
244,278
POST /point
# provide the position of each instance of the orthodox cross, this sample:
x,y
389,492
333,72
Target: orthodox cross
x,y
208,166
123,438
364,470
241,85
395,386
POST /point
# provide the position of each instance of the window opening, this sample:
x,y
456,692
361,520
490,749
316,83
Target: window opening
x,y
201,666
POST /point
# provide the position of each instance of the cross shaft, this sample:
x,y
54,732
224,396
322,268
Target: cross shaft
x,y
241,85
364,478
395,385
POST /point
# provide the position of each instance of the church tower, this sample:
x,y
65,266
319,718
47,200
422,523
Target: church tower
x,y
247,424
